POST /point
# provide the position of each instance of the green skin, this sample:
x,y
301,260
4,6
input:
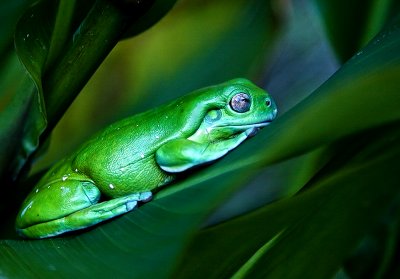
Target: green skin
x,y
122,164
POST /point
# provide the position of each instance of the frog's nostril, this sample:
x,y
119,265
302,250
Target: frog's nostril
x,y
268,102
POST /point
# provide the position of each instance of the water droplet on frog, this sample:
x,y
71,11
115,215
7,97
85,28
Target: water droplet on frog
x,y
65,177
111,186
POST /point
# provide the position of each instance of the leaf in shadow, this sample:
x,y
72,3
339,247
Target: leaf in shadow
x,y
308,235
151,240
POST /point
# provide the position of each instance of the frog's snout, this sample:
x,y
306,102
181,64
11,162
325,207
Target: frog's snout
x,y
273,108
274,113
271,115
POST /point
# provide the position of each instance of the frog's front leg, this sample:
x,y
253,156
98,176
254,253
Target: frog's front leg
x,y
70,205
181,154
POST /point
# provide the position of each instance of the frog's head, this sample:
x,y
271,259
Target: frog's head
x,y
247,108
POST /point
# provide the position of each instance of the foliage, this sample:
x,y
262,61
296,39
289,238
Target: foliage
x,y
331,158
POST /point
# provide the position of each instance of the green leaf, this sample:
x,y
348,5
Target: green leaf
x,y
60,46
150,241
15,98
306,236
32,41
155,13
351,24
10,12
15,104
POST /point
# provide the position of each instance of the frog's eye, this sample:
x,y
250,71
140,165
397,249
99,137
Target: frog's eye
x,y
240,102
268,102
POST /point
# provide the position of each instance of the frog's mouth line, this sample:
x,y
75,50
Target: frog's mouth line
x,y
252,128
249,126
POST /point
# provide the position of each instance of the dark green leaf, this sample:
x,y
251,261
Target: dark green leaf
x,y
10,11
351,24
306,236
152,238
59,60
155,13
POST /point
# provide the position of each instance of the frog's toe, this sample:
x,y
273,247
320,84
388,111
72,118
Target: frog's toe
x,y
130,205
145,196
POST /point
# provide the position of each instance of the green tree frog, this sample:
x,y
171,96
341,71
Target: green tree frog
x,y
120,166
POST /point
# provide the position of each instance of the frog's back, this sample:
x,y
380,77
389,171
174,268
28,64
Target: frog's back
x,y
120,160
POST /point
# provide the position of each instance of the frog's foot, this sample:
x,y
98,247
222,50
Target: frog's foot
x,y
86,217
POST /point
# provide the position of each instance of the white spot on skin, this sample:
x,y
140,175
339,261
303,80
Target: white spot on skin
x,y
26,208
37,190
76,170
65,177
157,137
111,186
142,155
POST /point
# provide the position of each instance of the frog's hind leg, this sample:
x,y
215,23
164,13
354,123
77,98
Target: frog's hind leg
x,y
87,216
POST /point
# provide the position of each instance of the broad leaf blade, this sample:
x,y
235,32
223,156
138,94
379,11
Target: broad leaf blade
x,y
156,12
308,235
351,24
49,48
16,102
32,42
167,223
